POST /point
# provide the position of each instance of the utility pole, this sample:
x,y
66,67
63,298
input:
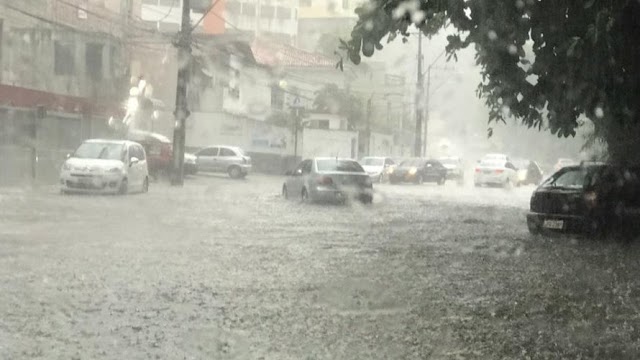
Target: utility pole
x,y
426,118
417,146
369,110
428,103
182,112
296,109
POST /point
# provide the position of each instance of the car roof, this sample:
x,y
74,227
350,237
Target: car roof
x,y
141,135
112,141
332,158
224,146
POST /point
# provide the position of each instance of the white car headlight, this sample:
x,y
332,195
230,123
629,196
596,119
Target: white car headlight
x,y
413,170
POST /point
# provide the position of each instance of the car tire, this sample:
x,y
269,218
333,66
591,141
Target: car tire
x,y
381,179
124,187
367,199
441,181
285,193
419,179
234,172
304,196
508,184
145,185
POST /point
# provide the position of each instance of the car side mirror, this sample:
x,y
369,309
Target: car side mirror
x,y
133,160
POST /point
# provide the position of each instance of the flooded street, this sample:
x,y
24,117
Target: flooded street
x,y
226,269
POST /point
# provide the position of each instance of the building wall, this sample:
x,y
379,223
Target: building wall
x,y
33,148
67,55
316,142
262,17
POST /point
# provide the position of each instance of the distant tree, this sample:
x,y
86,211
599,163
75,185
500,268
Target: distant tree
x,y
584,60
332,99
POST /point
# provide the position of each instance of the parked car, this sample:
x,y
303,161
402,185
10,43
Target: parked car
x,y
159,150
418,171
226,159
376,166
496,172
328,180
190,164
562,162
592,198
105,166
529,172
455,168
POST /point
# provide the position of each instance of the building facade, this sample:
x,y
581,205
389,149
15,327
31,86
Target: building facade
x,y
64,69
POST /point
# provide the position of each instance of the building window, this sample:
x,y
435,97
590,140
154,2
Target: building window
x,y
249,9
64,61
93,60
283,12
277,97
267,11
233,7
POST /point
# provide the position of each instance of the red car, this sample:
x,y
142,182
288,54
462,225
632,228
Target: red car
x,y
159,150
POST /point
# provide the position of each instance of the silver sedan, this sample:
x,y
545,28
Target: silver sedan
x,y
328,180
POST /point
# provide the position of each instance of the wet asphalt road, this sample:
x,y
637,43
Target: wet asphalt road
x,y
225,269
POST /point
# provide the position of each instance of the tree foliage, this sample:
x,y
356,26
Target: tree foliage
x,y
583,57
332,99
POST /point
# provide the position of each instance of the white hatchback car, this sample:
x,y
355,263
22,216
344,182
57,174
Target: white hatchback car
x,y
105,166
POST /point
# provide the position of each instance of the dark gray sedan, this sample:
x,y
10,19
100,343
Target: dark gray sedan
x,y
328,180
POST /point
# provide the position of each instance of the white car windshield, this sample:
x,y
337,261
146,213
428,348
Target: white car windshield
x,y
372,161
100,150
339,165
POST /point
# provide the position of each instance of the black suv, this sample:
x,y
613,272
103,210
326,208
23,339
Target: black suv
x,y
596,199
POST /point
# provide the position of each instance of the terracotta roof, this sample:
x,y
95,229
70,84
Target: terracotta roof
x,y
270,53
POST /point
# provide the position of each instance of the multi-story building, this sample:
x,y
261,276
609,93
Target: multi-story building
x,y
324,18
277,19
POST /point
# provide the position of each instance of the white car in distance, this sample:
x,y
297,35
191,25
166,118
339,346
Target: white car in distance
x,y
376,167
496,172
105,167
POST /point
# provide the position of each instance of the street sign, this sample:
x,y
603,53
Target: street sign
x,y
296,103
